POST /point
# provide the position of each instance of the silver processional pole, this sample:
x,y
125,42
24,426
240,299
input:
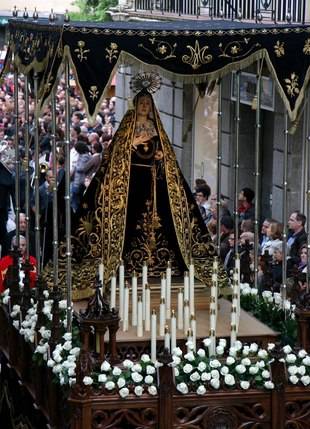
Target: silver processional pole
x,y
257,171
219,168
284,208
26,166
17,158
67,199
236,163
37,174
54,187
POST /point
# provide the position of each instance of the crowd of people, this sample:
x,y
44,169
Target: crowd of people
x,y
88,141
270,251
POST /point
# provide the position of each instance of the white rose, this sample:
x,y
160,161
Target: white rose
x,y
72,381
202,366
57,369
207,342
67,336
201,390
292,369
269,385
229,379
148,379
127,363
75,351
105,366
265,374
51,363
189,356
290,358
270,346
266,294
176,372
150,369
116,371
124,392
205,376
176,360
215,363
219,350
187,368
46,294
190,345
136,377
254,291
302,353
241,369
182,388
253,370
230,360
138,390
215,383
215,374
57,357
246,361
222,342
253,348
177,351
305,379
201,353
87,381
120,382
260,364
136,368
63,304
232,352
195,376
244,385
306,361
287,349
15,323
238,345
224,370
145,358
245,351
293,379
71,372
109,385
302,370
152,390
262,354
67,345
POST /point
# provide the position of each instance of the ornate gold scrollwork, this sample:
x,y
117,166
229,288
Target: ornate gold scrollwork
x,y
292,85
238,49
197,56
279,49
162,49
112,51
81,51
306,49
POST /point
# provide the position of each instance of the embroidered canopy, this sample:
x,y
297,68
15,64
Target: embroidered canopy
x,y
193,51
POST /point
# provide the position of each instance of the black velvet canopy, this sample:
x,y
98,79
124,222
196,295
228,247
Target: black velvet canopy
x,y
193,51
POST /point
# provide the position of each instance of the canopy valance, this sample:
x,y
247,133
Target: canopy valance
x,y
190,51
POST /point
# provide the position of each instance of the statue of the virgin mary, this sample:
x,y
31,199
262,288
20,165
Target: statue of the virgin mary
x,y
143,209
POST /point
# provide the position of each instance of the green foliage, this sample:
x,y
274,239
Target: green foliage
x,y
92,10
273,316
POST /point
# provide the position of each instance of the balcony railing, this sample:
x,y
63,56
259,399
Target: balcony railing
x,y
291,11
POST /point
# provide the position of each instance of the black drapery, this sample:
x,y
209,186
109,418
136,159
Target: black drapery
x,y
191,51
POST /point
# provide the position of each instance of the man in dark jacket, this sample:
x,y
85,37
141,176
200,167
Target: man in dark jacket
x,y
297,235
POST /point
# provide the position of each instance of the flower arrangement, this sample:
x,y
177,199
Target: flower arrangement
x,y
297,365
271,309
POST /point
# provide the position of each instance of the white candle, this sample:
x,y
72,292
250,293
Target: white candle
x,y
186,286
189,334
126,307
140,318
153,336
180,310
173,329
144,283
134,305
167,339
162,316
147,308
101,272
191,288
163,286
121,281
233,327
186,316
194,329
168,290
113,291
211,348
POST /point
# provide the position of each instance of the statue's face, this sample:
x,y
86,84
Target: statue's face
x,y
144,106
